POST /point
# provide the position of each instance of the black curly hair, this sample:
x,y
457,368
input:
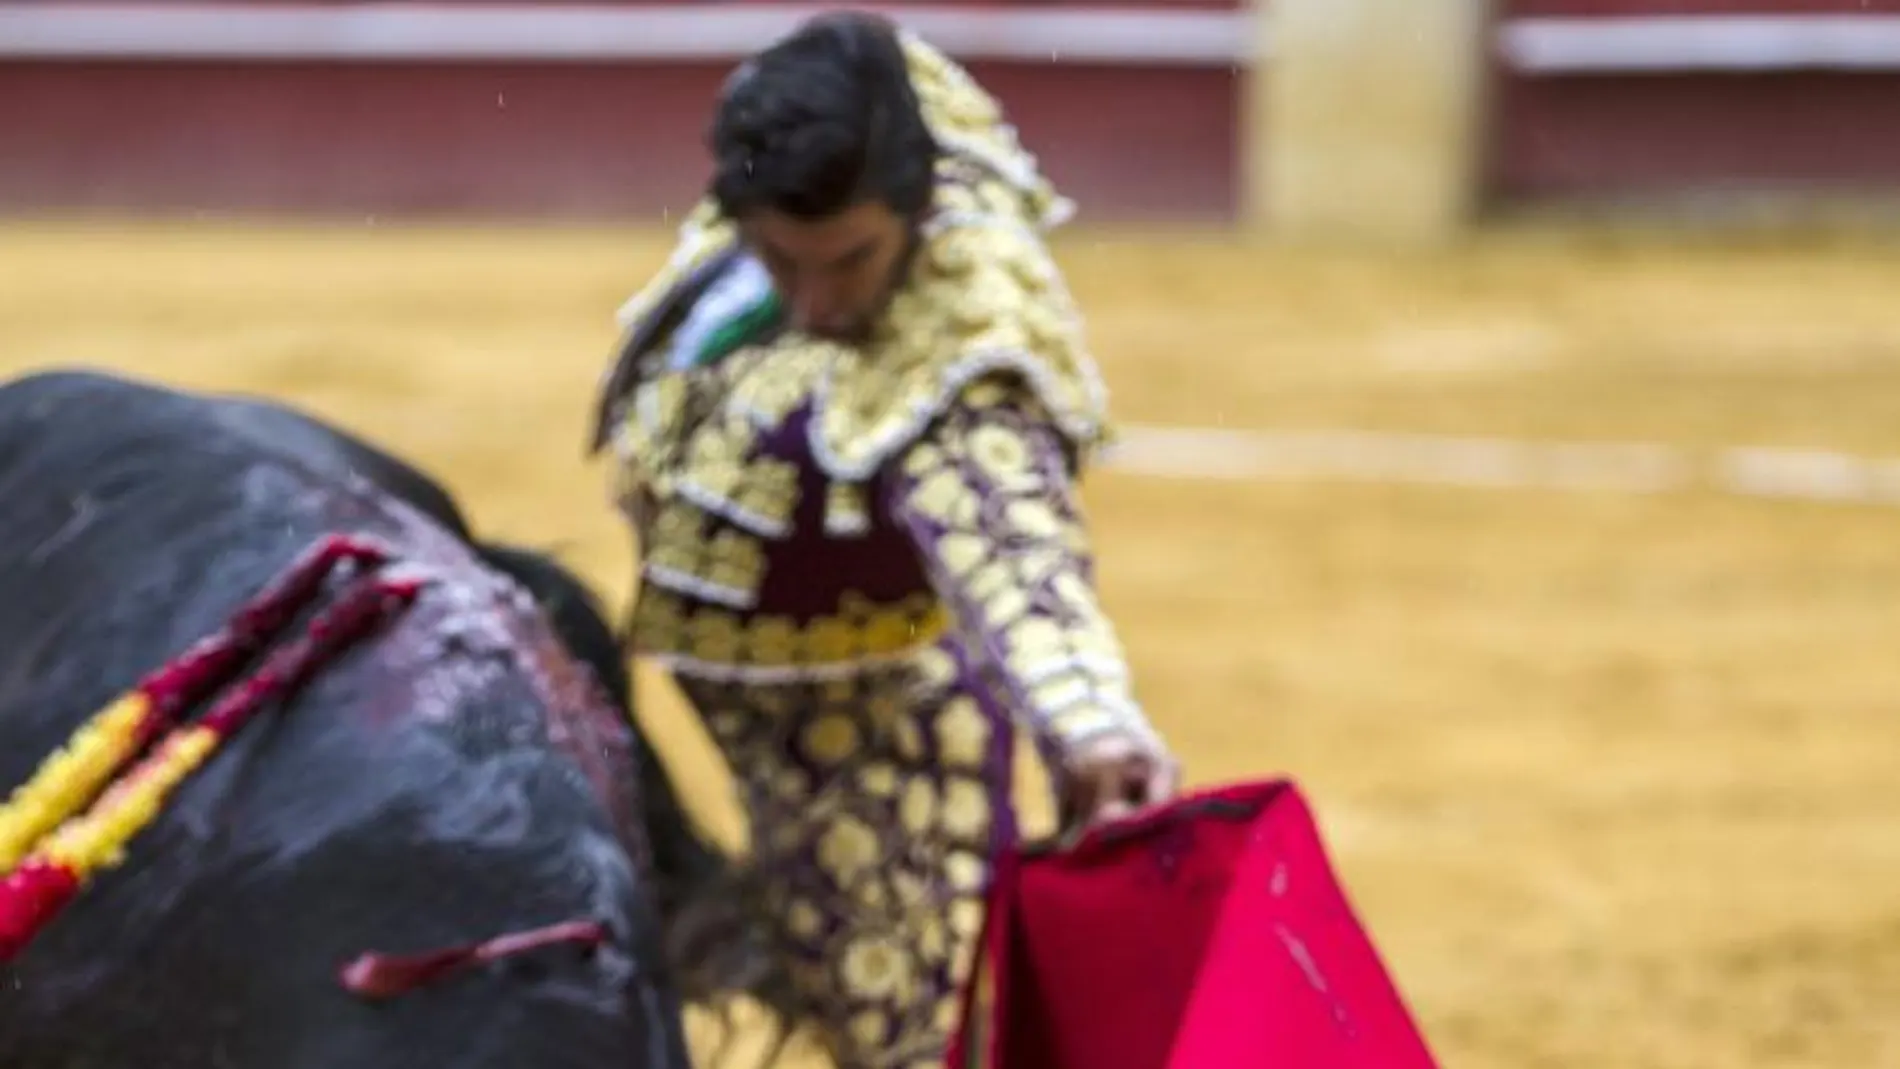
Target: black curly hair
x,y
821,121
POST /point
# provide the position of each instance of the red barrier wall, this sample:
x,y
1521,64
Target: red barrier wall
x,y
1645,134
1603,8
565,139
621,138
1638,136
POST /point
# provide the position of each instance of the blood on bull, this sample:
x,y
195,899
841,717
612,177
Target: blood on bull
x,y
436,839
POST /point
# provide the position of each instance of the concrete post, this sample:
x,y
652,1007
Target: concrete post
x,y
1366,118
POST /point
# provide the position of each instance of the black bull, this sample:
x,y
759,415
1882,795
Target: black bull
x,y
455,777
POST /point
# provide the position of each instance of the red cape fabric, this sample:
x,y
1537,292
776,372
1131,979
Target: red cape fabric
x,y
1209,934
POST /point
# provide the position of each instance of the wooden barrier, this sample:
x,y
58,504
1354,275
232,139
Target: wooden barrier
x,y
1314,118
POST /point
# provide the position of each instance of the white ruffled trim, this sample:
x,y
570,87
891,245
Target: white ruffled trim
x,y
1080,690
726,672
1103,669
738,515
679,582
940,223
847,525
895,434
1118,717
1018,171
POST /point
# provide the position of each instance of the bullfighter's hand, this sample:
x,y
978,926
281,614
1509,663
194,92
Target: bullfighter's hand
x,y
1112,775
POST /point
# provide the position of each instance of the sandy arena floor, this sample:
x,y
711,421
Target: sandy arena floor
x,y
1611,777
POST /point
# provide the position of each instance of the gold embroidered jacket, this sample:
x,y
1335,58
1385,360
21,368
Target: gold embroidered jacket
x,y
806,509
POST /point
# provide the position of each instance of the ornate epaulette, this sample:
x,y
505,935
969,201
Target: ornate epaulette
x,y
985,300
969,126
707,248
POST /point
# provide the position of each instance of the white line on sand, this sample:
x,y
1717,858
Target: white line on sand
x,y
1502,463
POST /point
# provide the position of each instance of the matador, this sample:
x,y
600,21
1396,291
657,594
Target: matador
x,y
848,418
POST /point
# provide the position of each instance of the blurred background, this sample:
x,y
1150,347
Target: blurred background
x,y
1508,390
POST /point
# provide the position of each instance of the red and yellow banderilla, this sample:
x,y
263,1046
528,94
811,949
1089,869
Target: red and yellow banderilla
x,y
48,851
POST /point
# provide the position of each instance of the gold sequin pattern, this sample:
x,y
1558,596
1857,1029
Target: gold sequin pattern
x,y
688,632
988,496
879,847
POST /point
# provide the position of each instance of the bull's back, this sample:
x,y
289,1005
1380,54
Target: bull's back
x,y
132,525
410,797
